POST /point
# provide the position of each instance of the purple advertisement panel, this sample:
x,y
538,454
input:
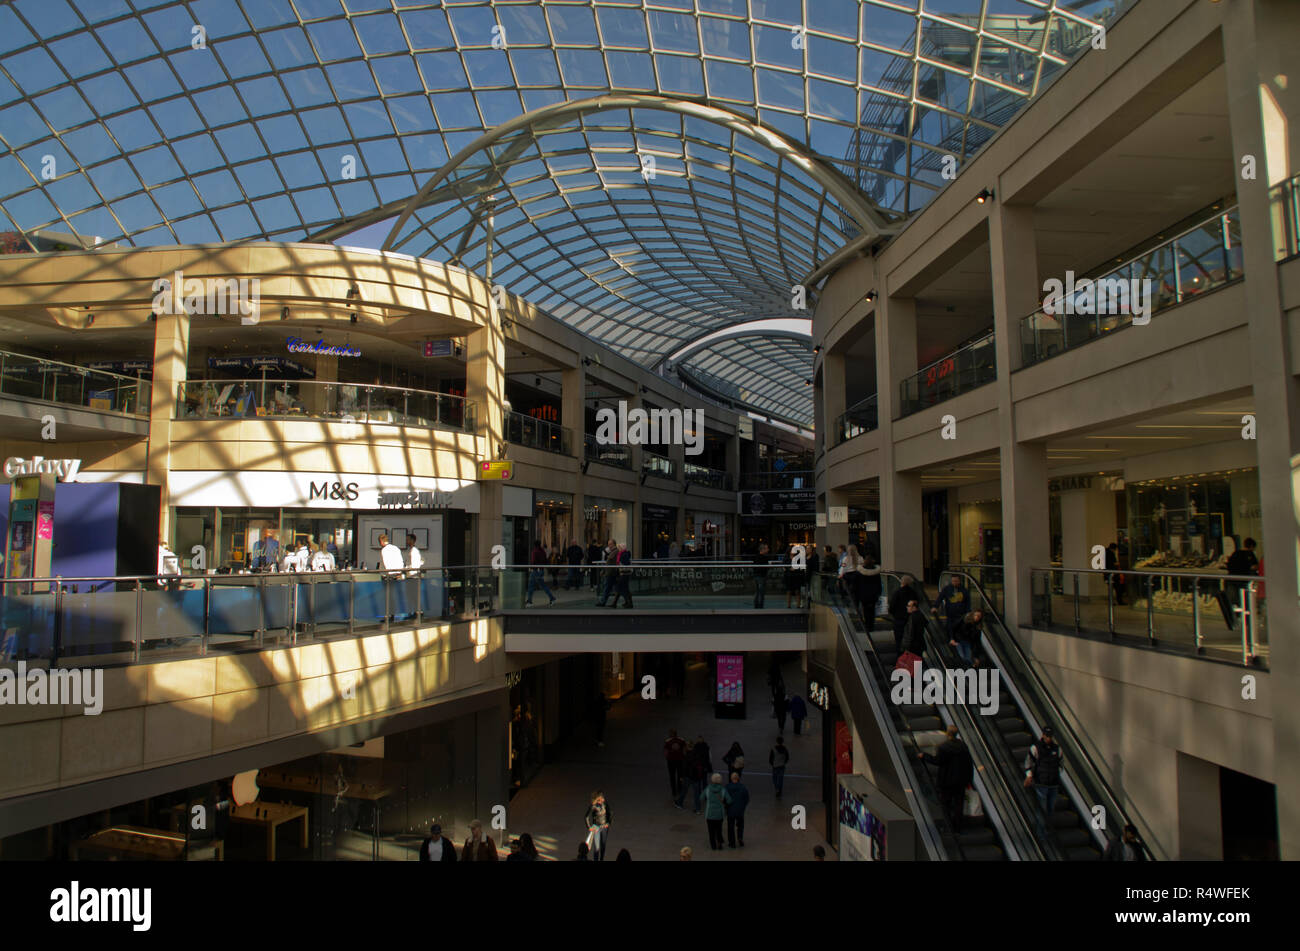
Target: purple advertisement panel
x,y
731,678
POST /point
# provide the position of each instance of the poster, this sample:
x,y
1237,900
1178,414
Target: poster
x,y
862,835
731,678
843,748
45,520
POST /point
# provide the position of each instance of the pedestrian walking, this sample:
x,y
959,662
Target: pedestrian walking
x,y
675,757
573,555
761,561
595,555
622,576
781,705
898,602
1126,849
478,847
796,577
739,794
777,758
437,847
956,772
1043,775
716,799
698,767
598,819
599,709
609,560
735,758
537,574
798,712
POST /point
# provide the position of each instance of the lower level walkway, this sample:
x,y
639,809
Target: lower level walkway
x,y
630,769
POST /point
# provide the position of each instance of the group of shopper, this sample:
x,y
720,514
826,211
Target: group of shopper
x,y
478,847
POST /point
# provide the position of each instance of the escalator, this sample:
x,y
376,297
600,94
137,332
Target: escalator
x,y
1002,832
1026,705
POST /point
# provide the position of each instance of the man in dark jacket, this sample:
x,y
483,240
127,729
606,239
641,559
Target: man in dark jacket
x,y
594,556
798,713
1243,561
954,602
913,636
698,768
761,561
573,555
437,847
1043,774
1112,564
956,772
898,608
739,793
675,756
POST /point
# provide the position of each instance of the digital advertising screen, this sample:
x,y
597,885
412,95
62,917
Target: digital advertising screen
x,y
731,678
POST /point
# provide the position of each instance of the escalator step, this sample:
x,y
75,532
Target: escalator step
x,y
984,853
1070,838
973,837
1080,854
924,723
1063,819
916,709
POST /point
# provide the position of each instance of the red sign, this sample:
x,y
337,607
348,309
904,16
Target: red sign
x,y
939,371
45,520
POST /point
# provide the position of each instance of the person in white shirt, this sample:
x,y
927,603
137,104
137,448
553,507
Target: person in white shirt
x,y
302,557
390,556
290,561
414,559
322,560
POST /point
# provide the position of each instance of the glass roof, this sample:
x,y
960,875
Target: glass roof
x,y
146,123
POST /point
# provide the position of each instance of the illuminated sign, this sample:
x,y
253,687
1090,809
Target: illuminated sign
x,y
495,470
320,347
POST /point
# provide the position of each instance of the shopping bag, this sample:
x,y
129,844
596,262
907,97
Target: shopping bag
x,y
971,805
907,661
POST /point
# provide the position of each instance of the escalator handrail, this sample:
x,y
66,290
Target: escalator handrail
x,y
903,763
1082,760
1004,768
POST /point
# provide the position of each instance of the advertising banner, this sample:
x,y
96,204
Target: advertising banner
x,y
731,678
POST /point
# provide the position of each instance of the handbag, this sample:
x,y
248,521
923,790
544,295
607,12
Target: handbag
x,y
907,661
971,805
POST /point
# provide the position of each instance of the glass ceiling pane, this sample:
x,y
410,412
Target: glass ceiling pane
x,y
295,118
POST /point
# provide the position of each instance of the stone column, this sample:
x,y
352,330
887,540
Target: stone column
x,y
171,348
834,398
900,492
1026,536
485,361
1264,115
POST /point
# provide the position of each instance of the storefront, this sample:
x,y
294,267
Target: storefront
x,y
604,519
553,512
779,518
707,534
1192,522
342,513
658,529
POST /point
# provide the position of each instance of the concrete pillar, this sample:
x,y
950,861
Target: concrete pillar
x,y
171,349
317,397
834,397
836,532
1026,537
900,492
1259,55
573,385
485,361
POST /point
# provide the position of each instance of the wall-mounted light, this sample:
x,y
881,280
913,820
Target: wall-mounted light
x,y
537,381
985,194
586,361
644,388
354,292
807,382
284,313
871,295
352,318
817,349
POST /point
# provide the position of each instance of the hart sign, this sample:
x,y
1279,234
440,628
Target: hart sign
x,y
494,470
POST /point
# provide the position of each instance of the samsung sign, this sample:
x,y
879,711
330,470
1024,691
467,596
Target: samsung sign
x,y
320,347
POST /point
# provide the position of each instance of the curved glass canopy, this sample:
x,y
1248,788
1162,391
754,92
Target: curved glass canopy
x,y
148,122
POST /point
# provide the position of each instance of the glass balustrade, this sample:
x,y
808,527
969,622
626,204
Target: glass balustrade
x,y
536,433
312,399
609,454
859,418
50,381
661,467
1201,259
969,368
1284,213
697,474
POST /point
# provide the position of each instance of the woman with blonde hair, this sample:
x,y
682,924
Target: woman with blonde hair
x,y
862,577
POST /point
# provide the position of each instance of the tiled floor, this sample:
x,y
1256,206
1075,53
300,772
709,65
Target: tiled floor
x,y
630,769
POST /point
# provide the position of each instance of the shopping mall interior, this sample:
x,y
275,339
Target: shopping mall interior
x,y
460,431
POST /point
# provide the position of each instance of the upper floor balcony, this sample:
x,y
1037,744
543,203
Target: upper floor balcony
x,y
861,417
609,454
1204,258
1285,214
959,372
661,467
697,474
66,384
313,399
783,479
524,430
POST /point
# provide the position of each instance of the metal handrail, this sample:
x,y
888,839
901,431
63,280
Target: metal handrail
x,y
1043,694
